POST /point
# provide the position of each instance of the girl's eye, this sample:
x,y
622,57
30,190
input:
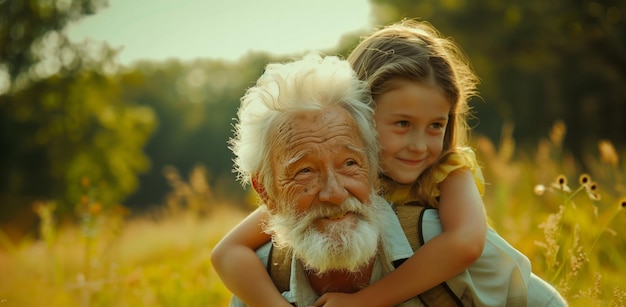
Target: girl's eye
x,y
402,123
438,126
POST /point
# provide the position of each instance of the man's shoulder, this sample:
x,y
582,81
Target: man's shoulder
x,y
263,252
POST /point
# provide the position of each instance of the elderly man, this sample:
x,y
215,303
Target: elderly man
x,y
306,142
316,171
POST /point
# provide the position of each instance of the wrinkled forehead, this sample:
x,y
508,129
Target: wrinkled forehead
x,y
329,125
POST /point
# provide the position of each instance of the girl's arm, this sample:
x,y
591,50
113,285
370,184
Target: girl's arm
x,y
446,255
241,271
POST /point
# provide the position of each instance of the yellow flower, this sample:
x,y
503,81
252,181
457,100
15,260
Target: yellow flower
x,y
592,190
584,179
561,183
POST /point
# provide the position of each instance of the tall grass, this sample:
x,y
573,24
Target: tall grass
x,y
160,259
567,217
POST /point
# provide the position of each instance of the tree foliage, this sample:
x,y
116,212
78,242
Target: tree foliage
x,y
195,103
539,61
31,34
62,115
69,113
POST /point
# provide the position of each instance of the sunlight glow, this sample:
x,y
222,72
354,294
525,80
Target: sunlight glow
x,y
189,29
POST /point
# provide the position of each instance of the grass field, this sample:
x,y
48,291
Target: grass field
x,y
151,262
571,224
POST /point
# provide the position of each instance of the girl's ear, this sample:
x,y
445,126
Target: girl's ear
x,y
260,189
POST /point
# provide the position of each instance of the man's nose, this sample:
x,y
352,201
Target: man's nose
x,y
332,190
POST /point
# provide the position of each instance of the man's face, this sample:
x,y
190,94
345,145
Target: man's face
x,y
322,206
319,159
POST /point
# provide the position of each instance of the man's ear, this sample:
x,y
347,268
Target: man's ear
x,y
260,189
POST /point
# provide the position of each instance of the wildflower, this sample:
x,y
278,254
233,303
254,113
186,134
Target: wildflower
x,y
618,296
584,179
595,291
551,231
540,189
558,132
623,203
593,186
592,190
594,196
561,183
576,257
608,154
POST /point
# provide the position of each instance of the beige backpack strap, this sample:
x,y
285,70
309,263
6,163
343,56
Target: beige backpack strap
x,y
410,216
279,267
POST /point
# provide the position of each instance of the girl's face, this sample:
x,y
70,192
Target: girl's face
x,y
411,121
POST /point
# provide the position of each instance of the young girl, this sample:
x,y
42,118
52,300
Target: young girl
x,y
420,83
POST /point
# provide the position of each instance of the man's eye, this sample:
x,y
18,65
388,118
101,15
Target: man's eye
x,y
304,170
351,163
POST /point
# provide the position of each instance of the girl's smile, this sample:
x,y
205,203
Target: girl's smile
x,y
411,121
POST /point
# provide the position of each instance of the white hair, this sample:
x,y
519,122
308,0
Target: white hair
x,y
312,83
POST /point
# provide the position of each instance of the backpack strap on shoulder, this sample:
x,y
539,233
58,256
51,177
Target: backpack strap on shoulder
x,y
279,267
410,216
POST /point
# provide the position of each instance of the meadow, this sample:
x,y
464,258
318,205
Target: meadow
x,y
568,219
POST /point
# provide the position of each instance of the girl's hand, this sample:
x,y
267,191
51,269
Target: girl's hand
x,y
337,299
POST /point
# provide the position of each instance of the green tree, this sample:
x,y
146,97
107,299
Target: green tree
x,y
195,103
539,61
31,34
62,116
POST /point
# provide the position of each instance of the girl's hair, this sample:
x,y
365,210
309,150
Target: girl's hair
x,y
312,83
416,51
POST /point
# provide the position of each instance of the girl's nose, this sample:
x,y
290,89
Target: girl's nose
x,y
416,142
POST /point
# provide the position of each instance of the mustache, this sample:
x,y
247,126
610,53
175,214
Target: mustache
x,y
325,210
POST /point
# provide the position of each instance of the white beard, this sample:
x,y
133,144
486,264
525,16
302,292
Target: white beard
x,y
343,245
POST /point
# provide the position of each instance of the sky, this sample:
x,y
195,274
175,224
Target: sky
x,y
225,29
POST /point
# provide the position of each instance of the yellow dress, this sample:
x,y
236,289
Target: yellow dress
x,y
501,276
399,194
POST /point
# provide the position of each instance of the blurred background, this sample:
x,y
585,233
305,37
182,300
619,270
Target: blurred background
x,y
115,116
